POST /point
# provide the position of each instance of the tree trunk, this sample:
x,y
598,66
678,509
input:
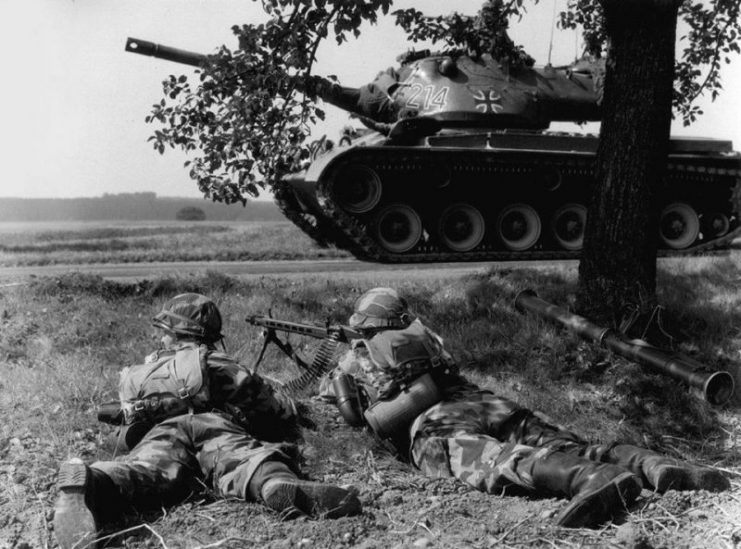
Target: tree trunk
x,y
617,272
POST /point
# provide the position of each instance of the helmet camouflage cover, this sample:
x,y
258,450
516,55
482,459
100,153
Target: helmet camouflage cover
x,y
192,315
380,308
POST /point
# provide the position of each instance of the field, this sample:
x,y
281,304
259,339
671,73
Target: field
x,y
26,244
63,340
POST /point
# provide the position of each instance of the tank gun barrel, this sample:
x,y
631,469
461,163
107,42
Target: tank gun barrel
x,y
344,98
714,386
144,47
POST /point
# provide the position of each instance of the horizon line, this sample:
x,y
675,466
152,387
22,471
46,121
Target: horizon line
x,y
108,195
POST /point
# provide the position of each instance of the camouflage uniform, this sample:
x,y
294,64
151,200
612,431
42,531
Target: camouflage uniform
x,y
212,446
482,439
206,413
492,443
485,440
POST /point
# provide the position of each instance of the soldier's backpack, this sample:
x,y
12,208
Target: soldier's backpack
x,y
171,384
414,357
408,353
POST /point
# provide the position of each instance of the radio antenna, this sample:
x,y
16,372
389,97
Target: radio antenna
x,y
553,26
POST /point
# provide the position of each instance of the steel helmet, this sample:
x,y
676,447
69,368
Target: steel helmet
x,y
192,315
380,308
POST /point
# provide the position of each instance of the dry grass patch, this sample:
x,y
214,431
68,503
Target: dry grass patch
x,y
173,241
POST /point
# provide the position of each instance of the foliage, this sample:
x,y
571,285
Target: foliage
x,y
484,33
251,114
248,115
714,30
190,213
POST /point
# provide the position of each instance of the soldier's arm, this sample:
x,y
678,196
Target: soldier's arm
x,y
233,384
357,363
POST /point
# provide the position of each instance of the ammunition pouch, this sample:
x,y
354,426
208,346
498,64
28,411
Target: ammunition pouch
x,y
349,400
111,413
391,419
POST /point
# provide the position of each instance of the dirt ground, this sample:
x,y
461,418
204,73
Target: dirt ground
x,y
401,508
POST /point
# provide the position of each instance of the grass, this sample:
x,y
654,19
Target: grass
x,y
76,331
77,243
64,339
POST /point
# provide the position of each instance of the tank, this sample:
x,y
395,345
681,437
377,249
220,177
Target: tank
x,y
456,164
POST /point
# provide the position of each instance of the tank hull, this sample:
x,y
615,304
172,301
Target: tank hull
x,y
493,196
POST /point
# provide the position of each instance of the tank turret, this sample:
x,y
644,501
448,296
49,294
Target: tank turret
x,y
460,91
457,91
460,167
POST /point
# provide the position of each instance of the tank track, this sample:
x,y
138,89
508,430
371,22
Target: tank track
x,y
286,203
399,160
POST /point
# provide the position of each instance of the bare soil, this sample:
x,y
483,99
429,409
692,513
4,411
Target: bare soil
x,y
401,507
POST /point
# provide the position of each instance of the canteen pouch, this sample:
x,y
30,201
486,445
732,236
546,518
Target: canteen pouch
x,y
349,402
390,419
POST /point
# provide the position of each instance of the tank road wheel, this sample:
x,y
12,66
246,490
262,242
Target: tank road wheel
x,y
679,226
519,227
398,228
568,226
461,227
715,225
357,189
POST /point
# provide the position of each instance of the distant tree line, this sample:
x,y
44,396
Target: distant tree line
x,y
145,206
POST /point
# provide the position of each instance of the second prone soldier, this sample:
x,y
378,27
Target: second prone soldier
x,y
449,427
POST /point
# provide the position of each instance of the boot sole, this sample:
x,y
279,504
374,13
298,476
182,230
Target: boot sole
x,y
74,524
297,498
598,506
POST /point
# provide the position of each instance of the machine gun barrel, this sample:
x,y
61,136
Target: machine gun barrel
x,y
144,47
341,333
716,387
330,334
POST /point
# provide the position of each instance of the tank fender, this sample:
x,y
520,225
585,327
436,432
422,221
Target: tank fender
x,y
321,163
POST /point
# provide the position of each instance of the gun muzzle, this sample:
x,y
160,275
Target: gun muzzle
x,y
145,47
716,387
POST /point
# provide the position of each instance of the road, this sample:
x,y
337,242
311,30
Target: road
x,y
247,269
334,268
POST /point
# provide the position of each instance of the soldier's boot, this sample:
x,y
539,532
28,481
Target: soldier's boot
x,y
281,490
663,473
598,491
83,492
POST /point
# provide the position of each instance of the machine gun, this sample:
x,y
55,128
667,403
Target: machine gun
x,y
330,334
716,387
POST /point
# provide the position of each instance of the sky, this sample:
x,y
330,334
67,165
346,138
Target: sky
x,y
73,102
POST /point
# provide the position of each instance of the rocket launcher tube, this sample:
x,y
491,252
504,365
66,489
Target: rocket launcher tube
x,y
716,387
